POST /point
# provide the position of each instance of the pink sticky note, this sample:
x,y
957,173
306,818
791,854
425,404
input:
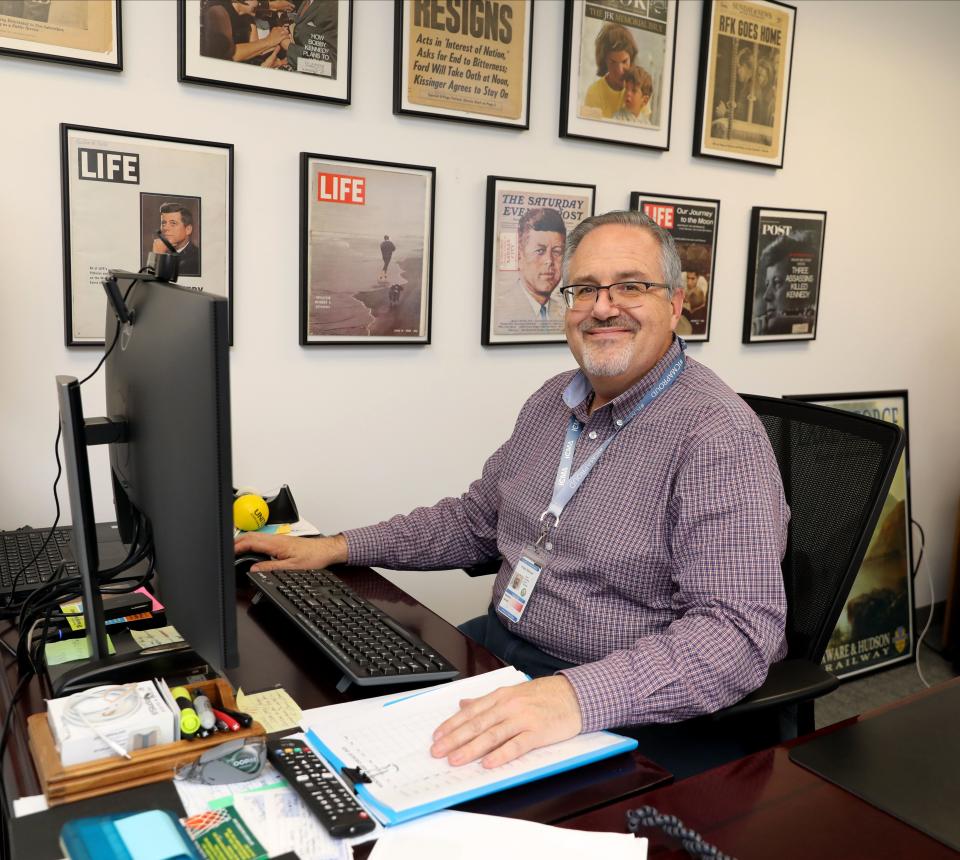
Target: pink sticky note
x,y
155,605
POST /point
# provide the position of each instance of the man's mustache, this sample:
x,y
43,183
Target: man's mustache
x,y
590,324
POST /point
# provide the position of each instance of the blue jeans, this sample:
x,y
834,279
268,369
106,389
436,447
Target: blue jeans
x,y
489,632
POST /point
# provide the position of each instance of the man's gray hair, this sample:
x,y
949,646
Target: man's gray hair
x,y
669,258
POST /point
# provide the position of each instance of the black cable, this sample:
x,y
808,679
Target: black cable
x,y
694,844
918,634
5,811
56,480
923,543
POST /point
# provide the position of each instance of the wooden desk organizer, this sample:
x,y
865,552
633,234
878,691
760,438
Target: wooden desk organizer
x,y
154,764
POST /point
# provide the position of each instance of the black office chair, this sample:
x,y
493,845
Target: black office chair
x,y
836,469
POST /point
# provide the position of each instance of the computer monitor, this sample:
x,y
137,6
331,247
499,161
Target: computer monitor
x,y
168,388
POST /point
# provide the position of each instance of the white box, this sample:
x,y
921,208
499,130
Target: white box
x,y
132,716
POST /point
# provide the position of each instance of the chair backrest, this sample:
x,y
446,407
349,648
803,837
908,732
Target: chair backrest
x,y
836,468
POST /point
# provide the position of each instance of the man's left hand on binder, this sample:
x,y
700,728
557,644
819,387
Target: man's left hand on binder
x,y
505,724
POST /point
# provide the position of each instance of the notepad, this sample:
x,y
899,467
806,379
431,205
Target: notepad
x,y
389,739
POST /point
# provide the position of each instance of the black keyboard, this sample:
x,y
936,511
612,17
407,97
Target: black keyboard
x,y
365,643
17,548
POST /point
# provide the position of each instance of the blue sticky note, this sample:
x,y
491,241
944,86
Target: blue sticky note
x,y
152,836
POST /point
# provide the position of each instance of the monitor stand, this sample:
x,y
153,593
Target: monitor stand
x,y
128,664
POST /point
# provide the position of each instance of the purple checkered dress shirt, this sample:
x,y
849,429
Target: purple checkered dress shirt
x,y
662,580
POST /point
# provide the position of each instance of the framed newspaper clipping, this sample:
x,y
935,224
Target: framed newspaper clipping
x,y
693,224
783,274
82,32
618,60
278,47
746,56
123,191
468,62
527,225
875,628
366,251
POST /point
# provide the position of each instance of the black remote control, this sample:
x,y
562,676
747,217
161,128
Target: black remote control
x,y
325,796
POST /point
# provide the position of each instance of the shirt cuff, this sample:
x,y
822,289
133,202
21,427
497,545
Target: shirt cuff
x,y
609,693
364,546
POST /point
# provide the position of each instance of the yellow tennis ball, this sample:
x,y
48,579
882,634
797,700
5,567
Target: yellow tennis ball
x,y
250,512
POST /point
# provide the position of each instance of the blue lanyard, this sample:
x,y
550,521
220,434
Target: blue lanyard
x,y
565,484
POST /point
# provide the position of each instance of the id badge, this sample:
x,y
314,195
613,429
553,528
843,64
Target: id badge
x,y
520,588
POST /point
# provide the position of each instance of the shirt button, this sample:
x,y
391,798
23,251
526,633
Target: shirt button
x,y
548,545
618,422
592,434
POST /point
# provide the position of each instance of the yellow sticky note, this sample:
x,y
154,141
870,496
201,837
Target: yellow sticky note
x,y
68,650
273,709
74,617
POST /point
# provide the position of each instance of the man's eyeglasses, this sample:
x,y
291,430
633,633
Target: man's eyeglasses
x,y
626,294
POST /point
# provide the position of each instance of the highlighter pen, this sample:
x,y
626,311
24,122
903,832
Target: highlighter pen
x,y
201,704
189,721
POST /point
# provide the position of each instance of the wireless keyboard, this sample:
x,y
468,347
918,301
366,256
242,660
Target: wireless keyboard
x,y
365,643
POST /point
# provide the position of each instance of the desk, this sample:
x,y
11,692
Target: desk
x,y
272,652
765,806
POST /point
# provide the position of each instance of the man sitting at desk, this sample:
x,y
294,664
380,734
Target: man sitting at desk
x,y
647,576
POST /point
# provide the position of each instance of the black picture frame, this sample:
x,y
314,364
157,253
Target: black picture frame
x,y
193,67
585,23
888,565
761,40
388,314
112,217
784,305
495,53
72,55
508,314
694,223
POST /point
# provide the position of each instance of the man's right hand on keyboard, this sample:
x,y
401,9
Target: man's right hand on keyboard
x,y
292,553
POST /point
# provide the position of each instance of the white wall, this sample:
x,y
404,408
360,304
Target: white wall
x,y
361,433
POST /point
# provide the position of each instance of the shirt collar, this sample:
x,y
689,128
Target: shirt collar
x,y
578,390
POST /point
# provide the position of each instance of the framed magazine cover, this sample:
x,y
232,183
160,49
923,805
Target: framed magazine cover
x,y
617,80
447,68
122,191
783,274
875,629
277,47
366,251
743,89
81,32
693,222
526,227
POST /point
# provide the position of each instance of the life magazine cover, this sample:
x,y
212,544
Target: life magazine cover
x,y
623,66
876,625
693,225
76,29
368,252
747,80
528,223
784,291
469,60
123,194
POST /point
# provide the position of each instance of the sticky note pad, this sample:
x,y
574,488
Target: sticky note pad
x,y
273,709
69,650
